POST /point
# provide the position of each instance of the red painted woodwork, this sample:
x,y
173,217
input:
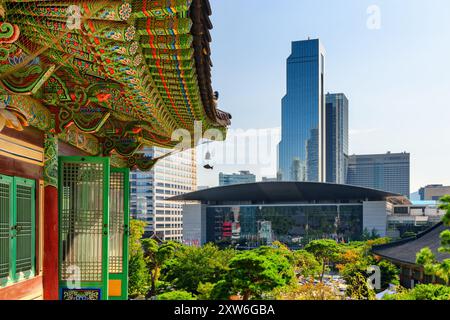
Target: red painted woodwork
x,y
30,135
67,150
50,264
24,289
14,167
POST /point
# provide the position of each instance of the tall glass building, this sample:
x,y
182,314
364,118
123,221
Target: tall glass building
x,y
336,137
174,175
301,152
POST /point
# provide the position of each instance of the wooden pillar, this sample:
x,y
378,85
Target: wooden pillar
x,y
51,242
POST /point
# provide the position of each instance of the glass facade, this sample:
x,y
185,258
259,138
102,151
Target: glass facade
x,y
336,137
388,172
301,154
293,225
236,178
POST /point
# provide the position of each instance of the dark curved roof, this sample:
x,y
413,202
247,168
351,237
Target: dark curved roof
x,y
200,12
276,192
405,251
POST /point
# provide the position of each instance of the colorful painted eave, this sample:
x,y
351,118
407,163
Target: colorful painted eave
x,y
121,74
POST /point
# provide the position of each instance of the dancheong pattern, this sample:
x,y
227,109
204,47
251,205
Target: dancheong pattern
x,y
113,76
81,294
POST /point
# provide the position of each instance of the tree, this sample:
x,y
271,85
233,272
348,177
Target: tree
x,y
191,266
370,235
138,276
326,251
309,291
306,264
422,292
137,272
205,291
389,274
176,295
214,291
255,272
155,256
348,256
446,206
137,229
427,258
358,288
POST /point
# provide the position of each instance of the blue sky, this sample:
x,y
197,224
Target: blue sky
x,y
397,78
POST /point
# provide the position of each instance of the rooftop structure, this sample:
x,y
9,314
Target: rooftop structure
x,y
297,192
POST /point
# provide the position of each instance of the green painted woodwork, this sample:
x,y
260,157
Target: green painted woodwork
x,y
119,220
84,184
24,240
17,229
6,218
51,160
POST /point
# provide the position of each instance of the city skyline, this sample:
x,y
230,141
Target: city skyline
x,y
372,66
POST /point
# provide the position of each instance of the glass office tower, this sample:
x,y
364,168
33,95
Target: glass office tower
x,y
336,137
301,152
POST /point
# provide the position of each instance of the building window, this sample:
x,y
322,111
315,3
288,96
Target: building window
x,y
17,229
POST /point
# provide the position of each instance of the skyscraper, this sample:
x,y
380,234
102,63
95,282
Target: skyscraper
x,y
301,152
388,172
336,137
174,175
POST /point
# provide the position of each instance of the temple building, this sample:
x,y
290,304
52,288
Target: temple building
x,y
403,254
85,85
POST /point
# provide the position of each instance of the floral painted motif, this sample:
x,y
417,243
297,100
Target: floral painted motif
x,y
81,294
125,11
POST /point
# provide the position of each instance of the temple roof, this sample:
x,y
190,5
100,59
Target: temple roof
x,y
128,73
405,251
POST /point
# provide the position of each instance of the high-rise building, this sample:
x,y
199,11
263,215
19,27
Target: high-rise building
x,y
336,137
236,178
388,172
301,152
174,175
433,192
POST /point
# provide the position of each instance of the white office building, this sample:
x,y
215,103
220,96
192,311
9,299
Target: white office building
x,y
174,175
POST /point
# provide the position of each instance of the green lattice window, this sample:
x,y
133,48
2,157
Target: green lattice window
x,y
17,229
83,226
116,222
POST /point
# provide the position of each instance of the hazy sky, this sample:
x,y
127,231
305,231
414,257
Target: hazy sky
x,y
397,77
